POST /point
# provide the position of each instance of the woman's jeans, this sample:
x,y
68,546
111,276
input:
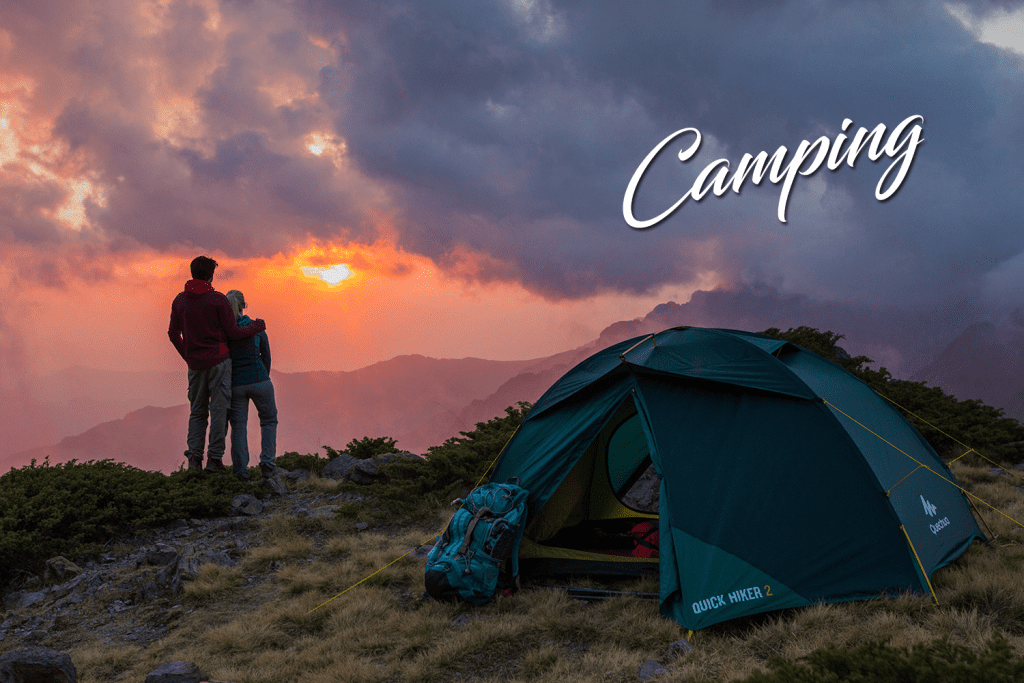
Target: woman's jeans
x,y
262,396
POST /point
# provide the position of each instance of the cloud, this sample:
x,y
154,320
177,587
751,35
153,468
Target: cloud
x,y
498,139
487,136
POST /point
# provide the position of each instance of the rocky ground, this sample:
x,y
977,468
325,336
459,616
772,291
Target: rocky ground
x,y
131,593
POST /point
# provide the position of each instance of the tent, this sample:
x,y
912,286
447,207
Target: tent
x,y
784,480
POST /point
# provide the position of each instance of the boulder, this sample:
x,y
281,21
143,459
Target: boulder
x,y
175,672
366,472
388,458
246,504
61,569
276,485
37,665
20,599
162,555
186,567
346,468
299,474
650,669
338,468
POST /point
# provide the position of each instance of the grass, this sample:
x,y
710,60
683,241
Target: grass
x,y
304,625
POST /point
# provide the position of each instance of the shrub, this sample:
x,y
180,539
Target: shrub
x,y
362,449
366,448
451,468
73,508
309,461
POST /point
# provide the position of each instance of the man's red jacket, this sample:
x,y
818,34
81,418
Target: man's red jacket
x,y
201,324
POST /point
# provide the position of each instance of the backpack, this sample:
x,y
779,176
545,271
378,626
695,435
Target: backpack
x,y
471,553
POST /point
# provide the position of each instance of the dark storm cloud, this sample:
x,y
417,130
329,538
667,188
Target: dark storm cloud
x,y
188,135
520,118
508,132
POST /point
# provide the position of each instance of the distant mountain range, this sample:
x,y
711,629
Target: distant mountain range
x,y
986,363
422,401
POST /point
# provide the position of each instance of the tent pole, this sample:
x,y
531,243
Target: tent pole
x,y
924,573
978,513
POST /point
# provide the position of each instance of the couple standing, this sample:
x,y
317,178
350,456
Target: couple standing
x,y
228,356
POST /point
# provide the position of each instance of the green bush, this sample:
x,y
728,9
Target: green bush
x,y
73,508
361,449
451,468
366,448
308,461
938,662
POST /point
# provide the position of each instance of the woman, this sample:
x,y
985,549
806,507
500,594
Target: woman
x,y
250,379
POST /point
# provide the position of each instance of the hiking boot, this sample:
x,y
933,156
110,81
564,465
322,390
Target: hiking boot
x,y
244,476
267,470
195,462
215,466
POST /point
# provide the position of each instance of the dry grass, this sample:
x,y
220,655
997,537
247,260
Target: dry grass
x,y
213,582
301,629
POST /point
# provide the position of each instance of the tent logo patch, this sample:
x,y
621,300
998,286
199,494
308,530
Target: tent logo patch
x,y
929,508
931,511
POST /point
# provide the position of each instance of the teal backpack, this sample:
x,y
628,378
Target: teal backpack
x,y
471,553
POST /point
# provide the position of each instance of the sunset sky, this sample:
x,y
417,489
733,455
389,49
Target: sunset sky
x,y
465,165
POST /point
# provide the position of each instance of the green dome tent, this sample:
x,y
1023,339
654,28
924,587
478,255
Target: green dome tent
x,y
785,480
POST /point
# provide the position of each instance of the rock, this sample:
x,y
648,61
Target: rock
x,y
366,472
650,669
996,471
21,599
388,458
362,526
65,588
187,566
276,486
73,599
162,555
147,592
462,620
37,665
325,511
246,504
175,672
338,468
346,468
422,551
299,474
61,569
681,647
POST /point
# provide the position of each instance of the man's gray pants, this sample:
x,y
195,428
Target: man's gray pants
x,y
209,397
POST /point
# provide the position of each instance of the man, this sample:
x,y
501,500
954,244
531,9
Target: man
x,y
201,324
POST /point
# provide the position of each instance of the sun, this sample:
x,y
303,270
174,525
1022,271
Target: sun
x,y
332,275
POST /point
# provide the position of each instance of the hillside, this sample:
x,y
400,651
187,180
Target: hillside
x,y
421,401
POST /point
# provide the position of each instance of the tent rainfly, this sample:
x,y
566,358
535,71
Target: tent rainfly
x,y
784,480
